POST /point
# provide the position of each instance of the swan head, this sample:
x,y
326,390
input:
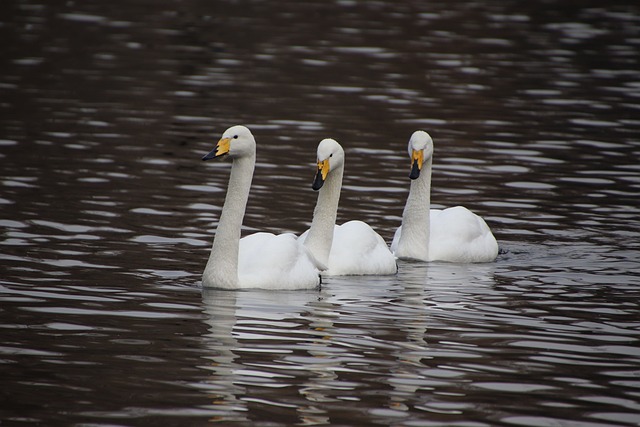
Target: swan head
x,y
237,141
330,157
420,151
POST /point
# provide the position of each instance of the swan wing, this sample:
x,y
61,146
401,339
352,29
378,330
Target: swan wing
x,y
459,235
358,250
274,261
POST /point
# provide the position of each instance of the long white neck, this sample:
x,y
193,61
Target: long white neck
x,y
222,267
320,235
414,236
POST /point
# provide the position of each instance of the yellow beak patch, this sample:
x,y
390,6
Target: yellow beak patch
x,y
223,146
323,168
417,156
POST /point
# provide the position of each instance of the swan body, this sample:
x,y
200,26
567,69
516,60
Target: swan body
x,y
352,248
454,234
260,260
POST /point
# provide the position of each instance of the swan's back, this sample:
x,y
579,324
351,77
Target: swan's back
x,y
358,250
274,261
459,235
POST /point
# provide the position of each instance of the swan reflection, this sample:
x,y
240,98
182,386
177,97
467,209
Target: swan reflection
x,y
249,334
297,354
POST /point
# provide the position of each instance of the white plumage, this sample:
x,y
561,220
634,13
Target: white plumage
x,y
352,248
260,260
454,234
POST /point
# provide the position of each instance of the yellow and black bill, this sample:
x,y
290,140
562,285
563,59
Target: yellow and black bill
x,y
417,158
221,149
321,174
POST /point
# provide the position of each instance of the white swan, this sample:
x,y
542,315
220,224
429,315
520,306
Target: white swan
x,y
352,248
454,234
261,260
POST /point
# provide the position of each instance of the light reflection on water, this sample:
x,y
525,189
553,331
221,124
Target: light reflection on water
x,y
107,214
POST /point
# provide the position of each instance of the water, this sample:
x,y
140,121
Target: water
x,y
108,214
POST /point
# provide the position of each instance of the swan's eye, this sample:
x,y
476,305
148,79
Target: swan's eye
x,y
235,136
331,155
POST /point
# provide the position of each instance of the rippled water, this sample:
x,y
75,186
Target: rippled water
x,y
107,213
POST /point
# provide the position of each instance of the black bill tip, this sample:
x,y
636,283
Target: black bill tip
x,y
213,155
415,171
210,155
317,181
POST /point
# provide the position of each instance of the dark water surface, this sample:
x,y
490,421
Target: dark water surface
x,y
107,213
